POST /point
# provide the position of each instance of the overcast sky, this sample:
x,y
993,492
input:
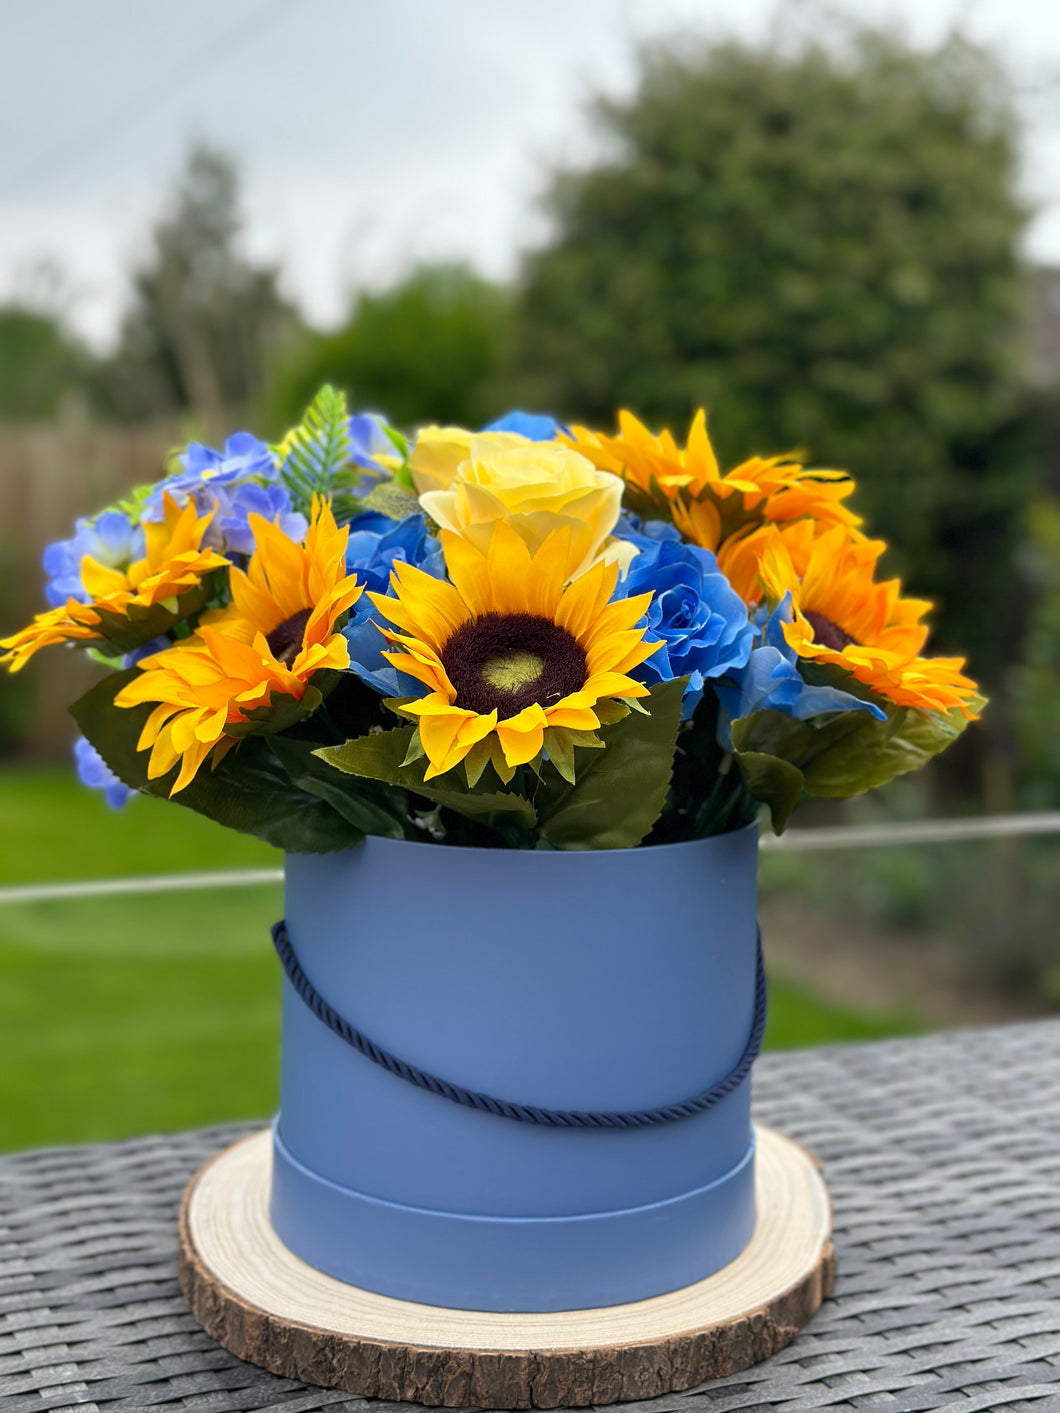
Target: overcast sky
x,y
370,132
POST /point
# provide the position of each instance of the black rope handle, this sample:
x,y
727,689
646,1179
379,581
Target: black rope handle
x,y
524,1113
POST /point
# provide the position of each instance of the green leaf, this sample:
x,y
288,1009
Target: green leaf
x,y
560,742
281,711
415,751
475,762
382,755
840,756
776,782
318,447
877,751
250,791
707,793
369,806
137,624
396,440
112,664
132,504
620,790
609,710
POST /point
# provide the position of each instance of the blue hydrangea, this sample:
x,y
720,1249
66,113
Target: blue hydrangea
x,y
368,440
205,471
771,681
699,618
236,483
94,772
376,542
156,645
236,504
111,539
535,426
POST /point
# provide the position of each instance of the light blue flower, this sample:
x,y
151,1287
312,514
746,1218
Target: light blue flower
x,y
244,458
700,620
376,542
93,771
234,484
156,645
535,426
111,539
368,440
771,681
236,504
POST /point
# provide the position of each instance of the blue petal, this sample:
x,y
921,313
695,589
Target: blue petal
x,y
368,440
771,682
535,426
113,530
94,772
695,611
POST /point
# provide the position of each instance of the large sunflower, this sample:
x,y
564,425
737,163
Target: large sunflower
x,y
844,618
251,662
510,656
129,606
688,485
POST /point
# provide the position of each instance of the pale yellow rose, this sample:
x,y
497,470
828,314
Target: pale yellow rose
x,y
437,453
537,487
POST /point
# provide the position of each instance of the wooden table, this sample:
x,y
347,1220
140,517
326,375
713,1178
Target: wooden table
x,y
942,1155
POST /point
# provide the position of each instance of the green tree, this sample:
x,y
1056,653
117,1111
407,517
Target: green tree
x,y
819,243
427,349
41,364
1036,686
205,323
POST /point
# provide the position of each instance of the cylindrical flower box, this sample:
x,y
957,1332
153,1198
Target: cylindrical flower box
x,y
597,980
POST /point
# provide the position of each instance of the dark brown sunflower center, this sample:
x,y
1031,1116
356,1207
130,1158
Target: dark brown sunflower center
x,y
285,640
511,660
827,633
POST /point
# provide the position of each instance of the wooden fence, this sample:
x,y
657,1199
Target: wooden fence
x,y
50,475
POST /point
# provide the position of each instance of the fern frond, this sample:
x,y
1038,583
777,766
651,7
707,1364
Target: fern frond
x,y
317,448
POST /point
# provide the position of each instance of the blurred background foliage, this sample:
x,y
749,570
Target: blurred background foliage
x,y
432,348
820,242
821,246
41,364
204,323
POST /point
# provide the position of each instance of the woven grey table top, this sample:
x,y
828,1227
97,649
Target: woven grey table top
x,y
942,1155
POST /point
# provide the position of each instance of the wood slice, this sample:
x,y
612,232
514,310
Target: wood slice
x,y
267,1306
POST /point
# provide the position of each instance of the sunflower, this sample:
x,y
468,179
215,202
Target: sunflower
x,y
740,556
512,655
705,505
130,606
249,665
842,617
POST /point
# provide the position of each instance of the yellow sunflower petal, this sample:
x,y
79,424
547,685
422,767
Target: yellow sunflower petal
x,y
468,571
508,565
522,736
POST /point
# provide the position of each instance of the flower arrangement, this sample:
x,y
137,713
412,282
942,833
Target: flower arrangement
x,y
531,636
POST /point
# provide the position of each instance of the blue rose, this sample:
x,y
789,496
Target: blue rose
x,y
700,620
535,426
770,681
376,542
94,772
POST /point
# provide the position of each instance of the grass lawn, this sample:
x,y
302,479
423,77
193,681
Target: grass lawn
x,y
121,1016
